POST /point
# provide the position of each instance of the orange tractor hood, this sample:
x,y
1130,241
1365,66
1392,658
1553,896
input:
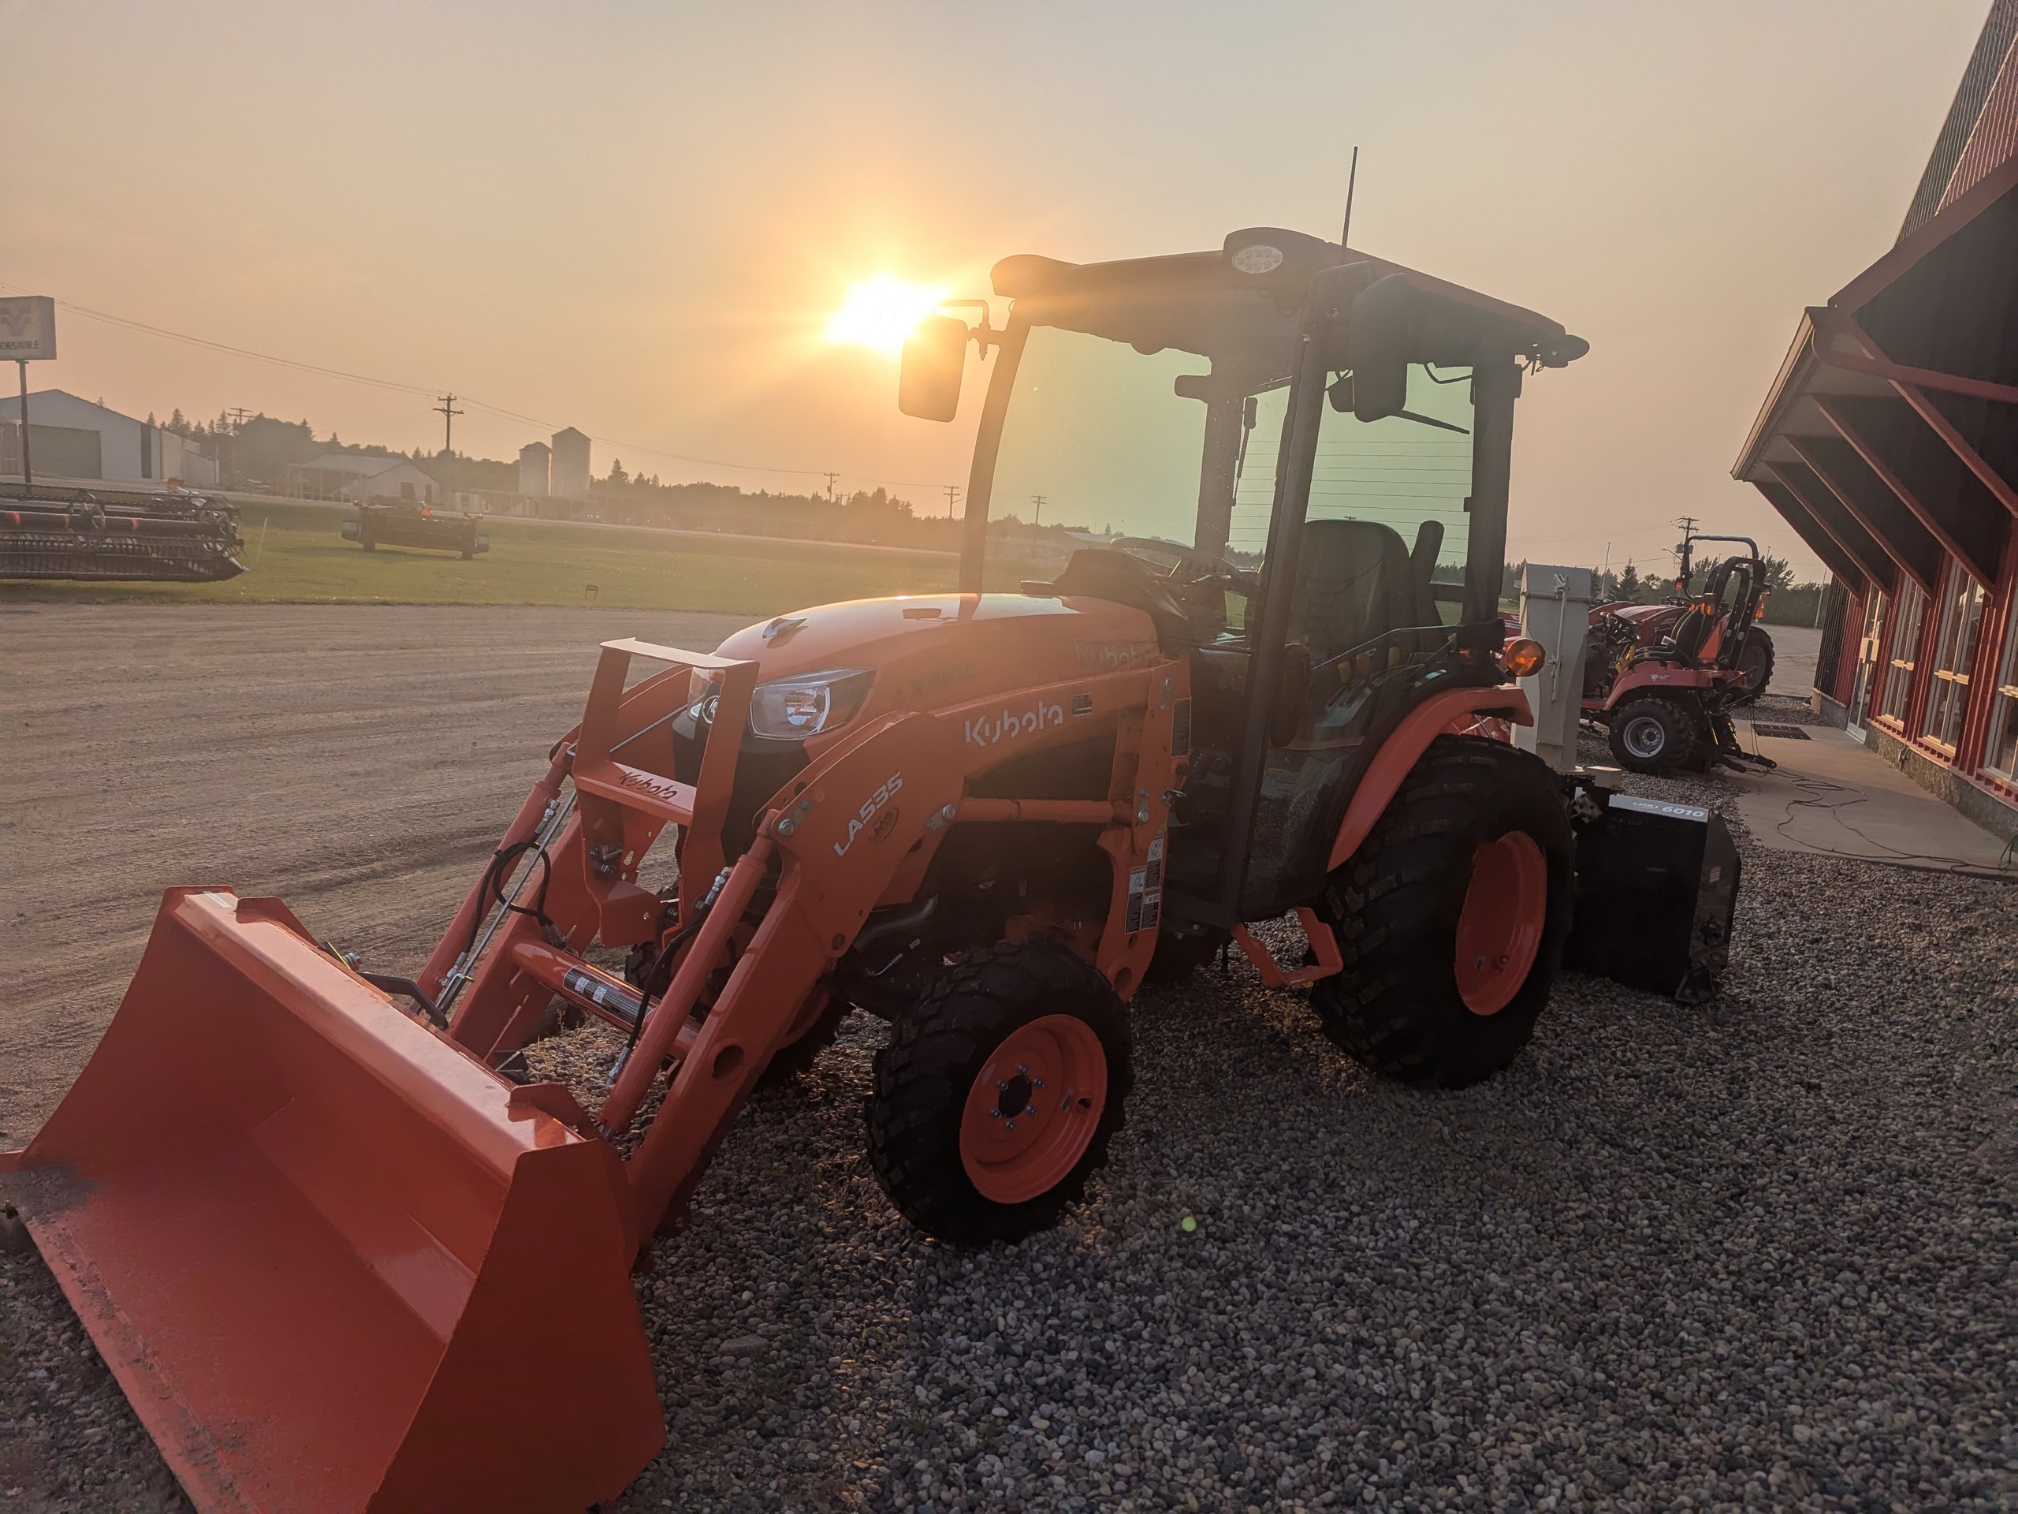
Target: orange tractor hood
x,y
932,650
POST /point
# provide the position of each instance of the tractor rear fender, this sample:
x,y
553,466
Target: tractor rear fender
x,y
1649,677
1452,711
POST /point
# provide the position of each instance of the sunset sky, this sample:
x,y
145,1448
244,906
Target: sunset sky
x,y
638,218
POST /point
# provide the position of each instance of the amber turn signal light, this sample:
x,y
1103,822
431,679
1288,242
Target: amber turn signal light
x,y
1523,658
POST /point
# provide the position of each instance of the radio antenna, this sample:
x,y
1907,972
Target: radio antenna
x,y
1351,183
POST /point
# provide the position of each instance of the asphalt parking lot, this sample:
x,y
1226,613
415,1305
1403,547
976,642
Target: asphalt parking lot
x,y
1753,1254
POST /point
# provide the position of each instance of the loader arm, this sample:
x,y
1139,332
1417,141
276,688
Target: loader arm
x,y
830,845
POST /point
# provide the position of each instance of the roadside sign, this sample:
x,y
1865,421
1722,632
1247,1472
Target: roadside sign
x,y
27,327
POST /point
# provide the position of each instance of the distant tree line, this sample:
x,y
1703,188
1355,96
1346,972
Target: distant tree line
x,y
875,517
253,453
1787,603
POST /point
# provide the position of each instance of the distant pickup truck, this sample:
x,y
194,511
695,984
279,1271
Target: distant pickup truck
x,y
402,523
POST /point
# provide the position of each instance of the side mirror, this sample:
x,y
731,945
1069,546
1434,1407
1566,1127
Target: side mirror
x,y
1385,318
935,359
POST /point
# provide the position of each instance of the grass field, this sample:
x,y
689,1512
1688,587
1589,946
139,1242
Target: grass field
x,y
305,560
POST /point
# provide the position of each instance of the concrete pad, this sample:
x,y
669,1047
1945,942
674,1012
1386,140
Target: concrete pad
x,y
1830,794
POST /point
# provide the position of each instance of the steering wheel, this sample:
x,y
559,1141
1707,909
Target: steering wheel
x,y
1207,565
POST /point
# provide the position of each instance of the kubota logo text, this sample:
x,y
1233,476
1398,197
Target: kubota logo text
x,y
988,730
885,792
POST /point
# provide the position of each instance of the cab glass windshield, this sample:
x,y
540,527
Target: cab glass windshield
x,y
1097,444
1105,444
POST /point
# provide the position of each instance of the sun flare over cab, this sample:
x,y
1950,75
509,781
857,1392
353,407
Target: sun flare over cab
x,y
882,312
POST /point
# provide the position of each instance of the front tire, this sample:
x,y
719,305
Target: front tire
x,y
1656,735
996,1097
1451,917
795,1058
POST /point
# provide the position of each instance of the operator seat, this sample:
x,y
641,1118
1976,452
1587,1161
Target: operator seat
x,y
1357,579
1691,633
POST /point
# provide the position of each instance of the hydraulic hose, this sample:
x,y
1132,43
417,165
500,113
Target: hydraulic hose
x,y
672,944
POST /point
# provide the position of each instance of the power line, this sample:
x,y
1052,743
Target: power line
x,y
434,392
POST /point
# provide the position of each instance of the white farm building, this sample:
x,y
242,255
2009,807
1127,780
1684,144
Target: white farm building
x,y
73,439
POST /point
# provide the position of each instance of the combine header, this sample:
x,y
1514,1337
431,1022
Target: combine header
x,y
402,523
343,1255
96,534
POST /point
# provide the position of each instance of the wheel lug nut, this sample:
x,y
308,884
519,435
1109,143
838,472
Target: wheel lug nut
x,y
1036,1082
1002,1086
1010,1126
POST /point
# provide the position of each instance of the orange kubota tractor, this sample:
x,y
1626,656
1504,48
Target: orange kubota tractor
x,y
342,1254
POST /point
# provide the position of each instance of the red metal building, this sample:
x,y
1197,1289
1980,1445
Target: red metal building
x,y
1889,442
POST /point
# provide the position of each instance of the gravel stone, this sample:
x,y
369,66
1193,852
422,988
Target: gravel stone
x,y
1753,1254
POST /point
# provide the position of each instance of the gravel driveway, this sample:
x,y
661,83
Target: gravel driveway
x,y
1757,1254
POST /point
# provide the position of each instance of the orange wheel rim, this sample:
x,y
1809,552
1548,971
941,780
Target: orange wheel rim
x,y
1033,1109
1499,930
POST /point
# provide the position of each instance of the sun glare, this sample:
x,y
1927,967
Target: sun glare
x,y
881,313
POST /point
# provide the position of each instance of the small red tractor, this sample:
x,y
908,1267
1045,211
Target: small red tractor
x,y
1664,678
343,1254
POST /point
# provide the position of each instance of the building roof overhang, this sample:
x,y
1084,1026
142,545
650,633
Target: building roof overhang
x,y
1890,434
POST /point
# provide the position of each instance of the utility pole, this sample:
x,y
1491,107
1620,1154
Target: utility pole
x,y
953,492
832,479
448,412
239,414
1039,500
27,469
1682,553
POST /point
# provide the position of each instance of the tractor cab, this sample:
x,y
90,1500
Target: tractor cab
x,y
1294,459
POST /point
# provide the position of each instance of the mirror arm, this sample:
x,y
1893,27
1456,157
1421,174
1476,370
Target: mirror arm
x,y
985,336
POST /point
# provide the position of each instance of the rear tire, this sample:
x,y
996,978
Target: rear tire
x,y
1656,734
1755,665
936,1081
1403,909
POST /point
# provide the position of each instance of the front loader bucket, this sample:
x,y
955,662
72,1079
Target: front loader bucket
x,y
334,1263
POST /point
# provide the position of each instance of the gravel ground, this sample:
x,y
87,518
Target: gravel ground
x,y
1755,1254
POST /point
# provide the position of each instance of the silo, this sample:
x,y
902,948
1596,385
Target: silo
x,y
571,464
534,477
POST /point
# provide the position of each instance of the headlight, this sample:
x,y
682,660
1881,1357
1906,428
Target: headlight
x,y
792,709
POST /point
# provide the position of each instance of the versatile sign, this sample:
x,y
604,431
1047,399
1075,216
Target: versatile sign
x,y
27,327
